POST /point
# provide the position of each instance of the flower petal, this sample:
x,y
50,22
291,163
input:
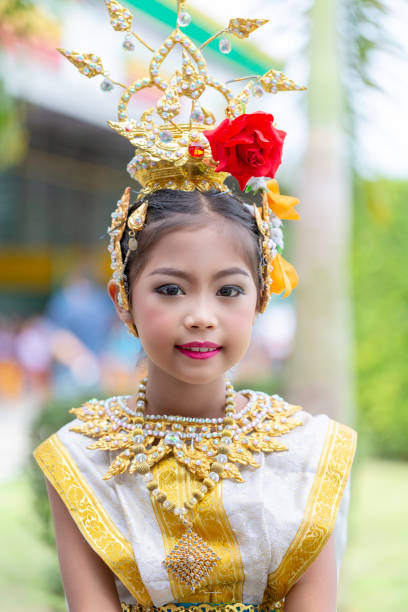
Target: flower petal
x,y
282,206
247,146
283,275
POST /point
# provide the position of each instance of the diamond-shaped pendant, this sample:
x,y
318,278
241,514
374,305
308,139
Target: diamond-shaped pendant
x,y
191,560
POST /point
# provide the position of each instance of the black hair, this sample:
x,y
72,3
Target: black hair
x,y
170,210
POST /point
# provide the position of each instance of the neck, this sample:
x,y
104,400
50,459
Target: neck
x,y
168,395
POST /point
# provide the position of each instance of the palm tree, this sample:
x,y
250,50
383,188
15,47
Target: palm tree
x,y
321,370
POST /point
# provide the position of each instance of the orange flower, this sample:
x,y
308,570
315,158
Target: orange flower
x,y
283,275
282,206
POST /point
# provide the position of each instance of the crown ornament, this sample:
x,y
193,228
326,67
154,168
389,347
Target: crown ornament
x,y
177,143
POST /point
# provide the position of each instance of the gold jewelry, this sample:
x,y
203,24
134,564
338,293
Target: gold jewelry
x,y
135,223
177,155
211,449
132,329
206,607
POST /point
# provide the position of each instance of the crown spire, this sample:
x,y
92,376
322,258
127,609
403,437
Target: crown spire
x,y
175,152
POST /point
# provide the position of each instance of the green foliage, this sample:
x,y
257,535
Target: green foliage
x,y
28,567
15,11
364,32
13,136
380,256
374,568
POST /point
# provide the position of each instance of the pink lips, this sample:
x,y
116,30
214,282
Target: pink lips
x,y
194,349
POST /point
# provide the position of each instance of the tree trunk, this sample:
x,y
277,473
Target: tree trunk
x,y
320,371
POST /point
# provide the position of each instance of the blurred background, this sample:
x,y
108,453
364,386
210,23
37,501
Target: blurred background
x,y
338,345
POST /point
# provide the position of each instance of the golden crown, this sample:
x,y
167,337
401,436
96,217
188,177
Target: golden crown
x,y
171,155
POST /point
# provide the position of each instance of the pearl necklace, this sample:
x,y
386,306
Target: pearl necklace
x,y
196,428
192,559
210,449
172,438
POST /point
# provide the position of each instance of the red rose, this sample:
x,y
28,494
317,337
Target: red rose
x,y
247,146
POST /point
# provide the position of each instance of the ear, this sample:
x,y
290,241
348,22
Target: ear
x,y
113,292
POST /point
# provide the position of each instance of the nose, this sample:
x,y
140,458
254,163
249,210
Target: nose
x,y
200,317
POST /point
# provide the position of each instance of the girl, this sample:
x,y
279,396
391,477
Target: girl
x,y
193,495
194,291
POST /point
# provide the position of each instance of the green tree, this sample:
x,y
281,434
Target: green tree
x,y
13,136
321,371
380,253
19,19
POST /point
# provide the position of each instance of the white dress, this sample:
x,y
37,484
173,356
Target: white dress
x,y
266,530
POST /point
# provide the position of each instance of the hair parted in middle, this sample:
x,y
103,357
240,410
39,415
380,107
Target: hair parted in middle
x,y
172,210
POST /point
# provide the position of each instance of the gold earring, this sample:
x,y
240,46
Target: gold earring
x,y
132,329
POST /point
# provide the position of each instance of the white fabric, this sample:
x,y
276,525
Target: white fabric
x,y
146,539
264,512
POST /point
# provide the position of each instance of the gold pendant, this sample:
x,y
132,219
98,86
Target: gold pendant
x,y
191,560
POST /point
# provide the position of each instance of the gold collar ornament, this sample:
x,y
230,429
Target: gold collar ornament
x,y
175,154
210,449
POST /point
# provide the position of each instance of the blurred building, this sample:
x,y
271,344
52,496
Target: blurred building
x,y
55,206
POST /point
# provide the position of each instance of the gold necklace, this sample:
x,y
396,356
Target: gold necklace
x,y
191,560
208,448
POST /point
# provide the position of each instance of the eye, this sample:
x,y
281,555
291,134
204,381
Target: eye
x,y
230,291
169,290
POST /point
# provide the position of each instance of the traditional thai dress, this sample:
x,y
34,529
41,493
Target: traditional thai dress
x,y
266,529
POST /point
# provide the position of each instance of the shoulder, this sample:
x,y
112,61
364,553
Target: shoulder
x,y
72,462
332,442
307,431
312,444
318,462
80,452
308,493
77,472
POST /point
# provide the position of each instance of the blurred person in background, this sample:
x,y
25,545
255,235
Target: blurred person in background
x,y
33,350
11,372
122,360
79,301
277,333
271,344
81,316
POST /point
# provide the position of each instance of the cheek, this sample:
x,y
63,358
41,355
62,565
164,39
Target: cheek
x,y
154,322
239,323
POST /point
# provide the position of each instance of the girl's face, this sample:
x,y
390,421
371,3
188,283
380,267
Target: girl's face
x,y
195,288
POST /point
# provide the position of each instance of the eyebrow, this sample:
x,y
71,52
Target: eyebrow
x,y
186,276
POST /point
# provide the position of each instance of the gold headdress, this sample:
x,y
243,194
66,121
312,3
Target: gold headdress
x,y
171,155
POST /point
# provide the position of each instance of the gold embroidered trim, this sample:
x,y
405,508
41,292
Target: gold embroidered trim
x,y
236,607
321,510
89,515
225,583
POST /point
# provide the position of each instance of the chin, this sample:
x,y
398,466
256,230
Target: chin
x,y
199,375
194,372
